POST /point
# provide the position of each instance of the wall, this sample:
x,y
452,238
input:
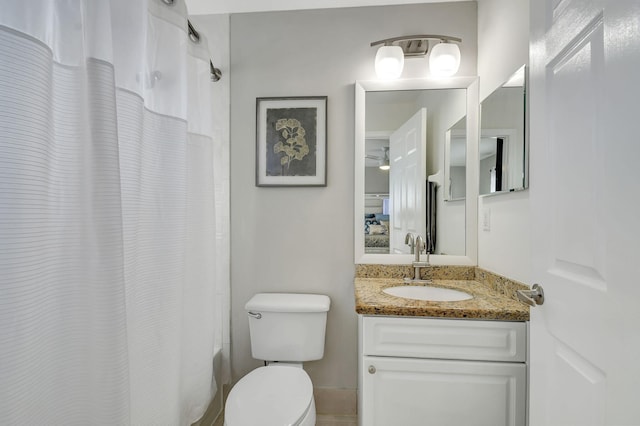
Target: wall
x,y
376,181
215,29
301,239
503,46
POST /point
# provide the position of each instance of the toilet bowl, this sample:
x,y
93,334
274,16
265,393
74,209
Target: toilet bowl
x,y
286,329
272,396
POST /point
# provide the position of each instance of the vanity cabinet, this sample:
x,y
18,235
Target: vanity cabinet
x,y
430,371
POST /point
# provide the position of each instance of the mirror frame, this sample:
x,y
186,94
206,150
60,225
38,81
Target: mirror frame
x,y
471,202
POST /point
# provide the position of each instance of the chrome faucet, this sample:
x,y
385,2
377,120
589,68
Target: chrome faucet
x,y
417,264
417,245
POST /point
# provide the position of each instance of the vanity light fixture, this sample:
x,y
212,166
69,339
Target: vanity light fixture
x,y
444,59
389,62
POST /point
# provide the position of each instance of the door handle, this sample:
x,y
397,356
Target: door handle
x,y
533,297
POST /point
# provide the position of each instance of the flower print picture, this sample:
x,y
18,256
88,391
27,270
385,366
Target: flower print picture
x,y
286,137
291,141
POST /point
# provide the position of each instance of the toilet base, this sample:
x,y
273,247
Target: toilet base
x,y
310,418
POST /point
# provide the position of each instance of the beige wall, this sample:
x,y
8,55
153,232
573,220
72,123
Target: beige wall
x,y
301,239
503,47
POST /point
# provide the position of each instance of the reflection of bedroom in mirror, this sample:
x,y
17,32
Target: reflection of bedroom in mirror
x,y
406,130
376,199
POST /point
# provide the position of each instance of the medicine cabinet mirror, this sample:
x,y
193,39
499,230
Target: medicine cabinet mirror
x,y
405,124
503,138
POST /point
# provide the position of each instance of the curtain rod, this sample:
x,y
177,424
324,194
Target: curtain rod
x,y
194,36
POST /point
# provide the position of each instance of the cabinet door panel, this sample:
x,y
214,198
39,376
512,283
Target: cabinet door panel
x,y
445,339
407,392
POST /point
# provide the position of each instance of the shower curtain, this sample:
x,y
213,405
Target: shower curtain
x,y
108,295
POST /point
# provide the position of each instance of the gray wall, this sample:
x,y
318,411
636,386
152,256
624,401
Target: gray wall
x,y
301,239
503,47
376,181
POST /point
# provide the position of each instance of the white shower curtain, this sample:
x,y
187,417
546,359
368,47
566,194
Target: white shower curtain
x,y
107,221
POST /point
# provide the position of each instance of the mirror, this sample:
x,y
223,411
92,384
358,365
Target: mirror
x,y
503,153
406,124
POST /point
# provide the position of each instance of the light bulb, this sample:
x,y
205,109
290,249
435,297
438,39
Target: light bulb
x,y
389,62
444,60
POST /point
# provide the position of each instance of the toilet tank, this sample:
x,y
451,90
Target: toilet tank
x,y
287,326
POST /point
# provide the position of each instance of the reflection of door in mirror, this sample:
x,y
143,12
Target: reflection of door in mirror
x,y
503,153
407,181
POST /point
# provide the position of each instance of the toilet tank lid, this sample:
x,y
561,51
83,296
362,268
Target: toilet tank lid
x,y
288,302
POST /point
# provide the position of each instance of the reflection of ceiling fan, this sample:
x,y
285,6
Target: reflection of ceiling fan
x,y
383,159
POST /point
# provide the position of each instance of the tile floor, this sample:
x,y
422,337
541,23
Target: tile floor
x,y
321,420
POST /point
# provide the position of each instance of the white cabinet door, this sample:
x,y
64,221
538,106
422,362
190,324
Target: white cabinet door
x,y
407,181
407,392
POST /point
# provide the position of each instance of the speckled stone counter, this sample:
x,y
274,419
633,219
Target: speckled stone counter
x,y
493,297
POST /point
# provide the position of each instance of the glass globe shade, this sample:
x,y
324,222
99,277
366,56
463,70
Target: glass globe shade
x,y
389,62
444,60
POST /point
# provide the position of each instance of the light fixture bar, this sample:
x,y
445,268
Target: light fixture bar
x,y
417,37
415,45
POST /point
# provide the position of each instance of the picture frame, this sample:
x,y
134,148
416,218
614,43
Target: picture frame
x,y
291,141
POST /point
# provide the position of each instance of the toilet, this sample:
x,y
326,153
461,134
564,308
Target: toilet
x,y
286,329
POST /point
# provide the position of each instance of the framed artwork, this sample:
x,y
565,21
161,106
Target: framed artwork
x,y
291,141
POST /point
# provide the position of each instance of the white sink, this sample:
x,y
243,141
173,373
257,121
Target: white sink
x,y
434,294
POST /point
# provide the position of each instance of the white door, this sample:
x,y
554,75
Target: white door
x,y
407,181
585,198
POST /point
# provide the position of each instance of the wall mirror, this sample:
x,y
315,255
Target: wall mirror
x,y
503,152
401,133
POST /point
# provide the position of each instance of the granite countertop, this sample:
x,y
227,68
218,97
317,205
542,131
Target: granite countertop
x,y
487,303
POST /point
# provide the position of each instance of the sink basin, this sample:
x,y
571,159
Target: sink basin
x,y
434,294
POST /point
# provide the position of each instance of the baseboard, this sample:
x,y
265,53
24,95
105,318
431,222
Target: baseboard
x,y
334,401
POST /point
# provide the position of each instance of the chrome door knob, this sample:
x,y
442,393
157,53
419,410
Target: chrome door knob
x,y
533,297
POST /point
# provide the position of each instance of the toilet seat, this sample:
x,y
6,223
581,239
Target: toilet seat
x,y
270,396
